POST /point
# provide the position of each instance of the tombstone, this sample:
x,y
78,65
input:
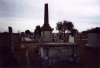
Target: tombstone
x,y
46,30
11,39
71,39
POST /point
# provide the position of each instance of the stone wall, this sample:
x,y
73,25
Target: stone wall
x,y
94,39
59,52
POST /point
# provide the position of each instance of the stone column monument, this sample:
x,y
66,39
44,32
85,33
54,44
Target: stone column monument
x,y
46,30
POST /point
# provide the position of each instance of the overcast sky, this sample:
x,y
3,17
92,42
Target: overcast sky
x,y
26,14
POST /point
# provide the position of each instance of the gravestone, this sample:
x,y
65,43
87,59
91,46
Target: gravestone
x,y
46,30
71,39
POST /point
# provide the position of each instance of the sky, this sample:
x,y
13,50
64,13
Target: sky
x,y
24,15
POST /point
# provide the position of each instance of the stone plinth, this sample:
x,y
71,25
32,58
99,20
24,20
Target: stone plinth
x,y
52,53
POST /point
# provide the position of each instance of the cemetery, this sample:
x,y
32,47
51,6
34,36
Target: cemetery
x,y
49,49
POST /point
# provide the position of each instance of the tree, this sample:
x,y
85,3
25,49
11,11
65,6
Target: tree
x,y
74,31
69,25
64,27
59,27
27,32
37,32
92,30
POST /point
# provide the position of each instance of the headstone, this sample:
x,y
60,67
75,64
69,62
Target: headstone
x,y
71,39
11,39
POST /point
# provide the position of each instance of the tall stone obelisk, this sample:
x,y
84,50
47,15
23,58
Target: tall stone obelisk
x,y
46,15
46,30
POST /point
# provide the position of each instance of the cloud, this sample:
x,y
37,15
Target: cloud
x,y
20,24
15,8
30,13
